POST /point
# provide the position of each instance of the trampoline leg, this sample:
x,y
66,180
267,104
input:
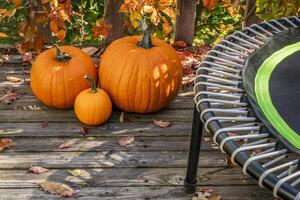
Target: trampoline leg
x,y
190,182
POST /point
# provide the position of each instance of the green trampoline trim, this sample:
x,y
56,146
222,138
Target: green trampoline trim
x,y
263,97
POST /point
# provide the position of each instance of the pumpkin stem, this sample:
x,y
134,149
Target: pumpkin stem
x,y
146,41
61,56
91,82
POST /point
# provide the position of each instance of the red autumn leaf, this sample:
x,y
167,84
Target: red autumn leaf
x,y
179,44
10,95
66,145
126,140
209,4
5,143
37,169
54,26
57,188
102,29
84,131
162,124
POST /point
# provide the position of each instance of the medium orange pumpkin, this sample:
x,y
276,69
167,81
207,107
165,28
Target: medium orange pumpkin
x,y
93,106
140,74
56,75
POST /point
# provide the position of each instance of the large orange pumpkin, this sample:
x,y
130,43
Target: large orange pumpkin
x,y
140,74
56,75
92,106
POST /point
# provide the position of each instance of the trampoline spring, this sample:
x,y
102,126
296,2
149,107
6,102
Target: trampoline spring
x,y
272,162
237,46
283,180
244,124
225,61
221,80
271,26
212,65
252,30
279,24
274,169
295,18
234,58
258,42
221,102
221,73
256,142
290,22
240,111
224,87
254,46
241,137
298,196
270,34
296,182
233,129
262,156
221,46
235,96
248,148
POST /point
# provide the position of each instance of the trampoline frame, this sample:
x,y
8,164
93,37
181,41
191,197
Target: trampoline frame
x,y
222,109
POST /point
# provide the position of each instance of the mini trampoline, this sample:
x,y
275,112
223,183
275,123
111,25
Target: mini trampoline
x,y
247,95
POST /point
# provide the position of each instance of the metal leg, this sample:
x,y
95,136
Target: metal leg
x,y
190,182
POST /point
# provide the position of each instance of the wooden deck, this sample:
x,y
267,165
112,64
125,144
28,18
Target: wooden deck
x,y
152,167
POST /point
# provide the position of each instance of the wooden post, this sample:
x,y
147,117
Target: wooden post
x,y
114,17
185,21
249,15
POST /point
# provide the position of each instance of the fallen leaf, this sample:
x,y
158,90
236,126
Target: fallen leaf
x,y
31,107
228,162
6,143
84,131
13,79
3,35
126,140
27,57
66,145
76,172
90,50
10,95
206,194
179,44
37,169
162,124
57,188
44,124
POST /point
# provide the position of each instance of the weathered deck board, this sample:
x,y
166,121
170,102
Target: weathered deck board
x,y
142,193
80,144
100,177
64,160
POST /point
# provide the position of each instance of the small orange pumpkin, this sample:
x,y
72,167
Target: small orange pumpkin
x,y
140,74
56,75
93,106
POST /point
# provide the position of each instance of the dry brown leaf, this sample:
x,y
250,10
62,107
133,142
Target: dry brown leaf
x,y
90,50
84,131
10,95
66,145
44,124
228,162
6,143
13,79
206,194
57,188
162,124
126,140
37,169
